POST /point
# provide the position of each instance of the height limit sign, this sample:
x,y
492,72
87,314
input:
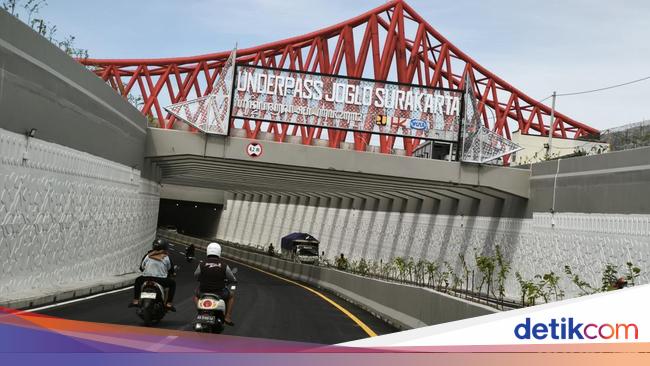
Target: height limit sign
x,y
254,150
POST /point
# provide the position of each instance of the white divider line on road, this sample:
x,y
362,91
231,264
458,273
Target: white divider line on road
x,y
78,300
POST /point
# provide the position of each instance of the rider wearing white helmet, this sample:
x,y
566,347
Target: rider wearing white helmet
x,y
213,275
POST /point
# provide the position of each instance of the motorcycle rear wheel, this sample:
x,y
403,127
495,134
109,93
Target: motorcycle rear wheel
x,y
147,315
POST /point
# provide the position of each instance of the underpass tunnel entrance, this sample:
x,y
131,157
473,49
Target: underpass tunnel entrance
x,y
190,218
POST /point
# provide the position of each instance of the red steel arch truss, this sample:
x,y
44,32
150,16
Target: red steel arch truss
x,y
391,42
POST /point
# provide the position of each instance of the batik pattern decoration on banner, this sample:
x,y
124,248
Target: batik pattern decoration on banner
x,y
210,114
335,102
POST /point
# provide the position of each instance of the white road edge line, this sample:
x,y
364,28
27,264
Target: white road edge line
x,y
78,300
82,298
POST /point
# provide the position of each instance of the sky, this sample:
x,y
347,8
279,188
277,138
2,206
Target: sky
x,y
537,46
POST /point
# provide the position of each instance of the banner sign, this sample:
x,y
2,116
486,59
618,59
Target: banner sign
x,y
210,113
319,100
479,144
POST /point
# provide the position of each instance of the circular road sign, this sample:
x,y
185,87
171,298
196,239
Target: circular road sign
x,y
254,150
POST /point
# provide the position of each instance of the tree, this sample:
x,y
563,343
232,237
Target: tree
x,y
401,266
486,265
530,291
502,274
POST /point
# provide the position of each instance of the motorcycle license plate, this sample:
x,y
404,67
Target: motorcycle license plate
x,y
148,295
209,319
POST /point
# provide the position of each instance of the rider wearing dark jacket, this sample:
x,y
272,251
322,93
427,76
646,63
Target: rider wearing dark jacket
x,y
190,251
213,275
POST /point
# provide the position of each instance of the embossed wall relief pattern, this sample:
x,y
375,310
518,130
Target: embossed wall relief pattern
x,y
67,216
534,246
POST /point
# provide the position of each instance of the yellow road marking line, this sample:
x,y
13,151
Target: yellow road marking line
x,y
358,321
353,317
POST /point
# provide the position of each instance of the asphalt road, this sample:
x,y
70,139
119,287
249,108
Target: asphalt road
x,y
265,307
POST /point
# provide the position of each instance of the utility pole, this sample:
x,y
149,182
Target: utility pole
x,y
550,127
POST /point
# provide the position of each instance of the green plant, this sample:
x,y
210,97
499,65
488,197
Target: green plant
x,y
400,265
486,265
384,269
432,271
341,263
553,281
466,270
456,281
504,268
362,267
529,290
443,276
632,273
410,268
585,287
609,277
420,270
28,11
387,269
374,268
548,286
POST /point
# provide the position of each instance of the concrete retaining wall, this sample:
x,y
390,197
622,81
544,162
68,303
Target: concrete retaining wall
x,y
41,87
401,305
68,217
545,243
617,183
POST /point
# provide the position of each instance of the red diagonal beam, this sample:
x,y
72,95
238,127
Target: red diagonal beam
x,y
431,57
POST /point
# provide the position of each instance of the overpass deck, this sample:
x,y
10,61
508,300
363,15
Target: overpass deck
x,y
218,162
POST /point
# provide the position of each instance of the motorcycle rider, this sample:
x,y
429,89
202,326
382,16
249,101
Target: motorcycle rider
x,y
190,251
156,266
160,242
212,276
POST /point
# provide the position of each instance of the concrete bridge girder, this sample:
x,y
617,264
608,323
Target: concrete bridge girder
x,y
327,169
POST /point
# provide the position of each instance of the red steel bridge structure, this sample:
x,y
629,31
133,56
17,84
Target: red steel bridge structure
x,y
375,45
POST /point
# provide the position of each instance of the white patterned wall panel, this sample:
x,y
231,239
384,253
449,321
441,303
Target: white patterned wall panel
x,y
328,231
68,216
258,230
307,218
268,234
278,217
247,219
235,208
534,246
298,218
224,220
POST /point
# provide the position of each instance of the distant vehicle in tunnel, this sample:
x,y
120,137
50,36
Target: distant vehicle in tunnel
x,y
189,253
300,247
